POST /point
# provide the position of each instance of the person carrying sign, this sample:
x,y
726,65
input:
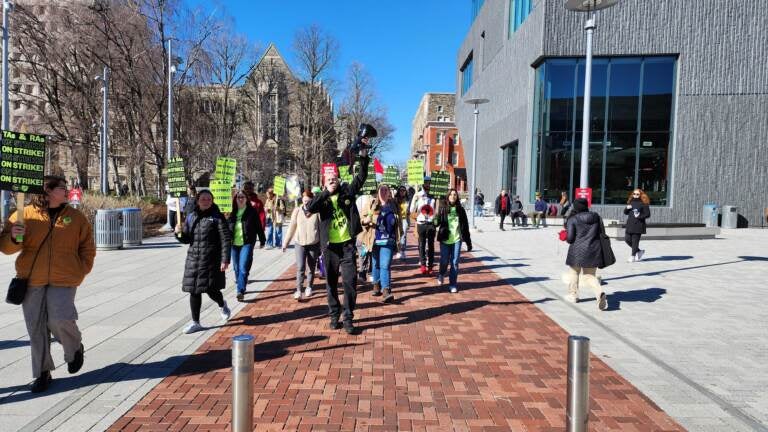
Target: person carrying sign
x,y
275,211
424,206
56,254
339,225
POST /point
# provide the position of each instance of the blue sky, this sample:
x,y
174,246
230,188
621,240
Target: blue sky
x,y
408,46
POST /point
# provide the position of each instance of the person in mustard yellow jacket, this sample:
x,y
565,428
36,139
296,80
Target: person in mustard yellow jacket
x,y
55,255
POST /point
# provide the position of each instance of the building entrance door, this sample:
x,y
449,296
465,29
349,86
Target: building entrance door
x,y
509,168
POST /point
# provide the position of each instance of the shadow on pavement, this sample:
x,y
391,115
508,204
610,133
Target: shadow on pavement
x,y
669,258
8,344
315,311
753,258
181,365
660,272
648,295
154,246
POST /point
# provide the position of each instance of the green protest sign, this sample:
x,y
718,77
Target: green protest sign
x,y
222,194
439,183
370,181
392,176
22,162
226,169
177,179
279,186
344,174
415,172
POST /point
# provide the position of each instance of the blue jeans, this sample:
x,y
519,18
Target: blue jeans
x,y
242,258
277,232
449,253
382,257
403,238
478,210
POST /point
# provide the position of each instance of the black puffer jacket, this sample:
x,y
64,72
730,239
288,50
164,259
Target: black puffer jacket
x,y
636,224
584,238
252,229
346,201
442,226
210,245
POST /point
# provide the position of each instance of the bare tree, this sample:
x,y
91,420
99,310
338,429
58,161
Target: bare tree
x,y
361,105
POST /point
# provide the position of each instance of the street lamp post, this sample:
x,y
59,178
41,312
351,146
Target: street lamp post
x,y
5,196
169,145
104,139
588,6
474,102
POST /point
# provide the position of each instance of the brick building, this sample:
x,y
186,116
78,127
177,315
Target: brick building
x,y
435,138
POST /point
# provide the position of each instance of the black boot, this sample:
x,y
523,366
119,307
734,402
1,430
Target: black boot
x,y
41,383
376,289
350,328
334,324
77,363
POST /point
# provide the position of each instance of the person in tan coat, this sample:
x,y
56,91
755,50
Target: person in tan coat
x,y
306,227
55,255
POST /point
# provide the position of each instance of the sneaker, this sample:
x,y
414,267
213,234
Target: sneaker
x,y
440,280
308,292
376,290
602,304
573,298
334,324
388,297
423,270
631,259
429,271
240,296
192,327
397,255
350,328
640,254
297,294
41,383
75,365
454,290
370,278
225,313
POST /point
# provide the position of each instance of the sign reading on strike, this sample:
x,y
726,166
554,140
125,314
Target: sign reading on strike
x,y
439,183
392,176
328,169
415,172
278,186
22,162
585,193
177,179
222,194
370,181
226,169
344,174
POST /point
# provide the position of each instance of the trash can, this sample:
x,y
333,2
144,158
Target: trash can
x,y
133,228
709,215
730,217
107,230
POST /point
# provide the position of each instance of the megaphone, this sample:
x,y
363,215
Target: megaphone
x,y
363,131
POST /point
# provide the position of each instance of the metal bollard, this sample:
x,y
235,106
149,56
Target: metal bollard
x,y
242,383
577,409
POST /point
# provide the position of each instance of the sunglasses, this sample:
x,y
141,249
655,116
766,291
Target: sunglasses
x,y
241,197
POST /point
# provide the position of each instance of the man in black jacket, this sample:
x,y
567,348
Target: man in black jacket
x,y
339,226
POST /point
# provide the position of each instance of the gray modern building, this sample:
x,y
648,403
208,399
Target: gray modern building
x,y
679,103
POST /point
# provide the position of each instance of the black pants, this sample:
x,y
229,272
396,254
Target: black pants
x,y
340,260
196,302
426,244
633,241
172,220
501,221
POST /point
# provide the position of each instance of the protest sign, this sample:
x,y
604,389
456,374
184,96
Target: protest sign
x,y
439,183
278,187
370,181
226,169
344,174
177,179
292,187
327,169
22,162
415,172
392,176
222,194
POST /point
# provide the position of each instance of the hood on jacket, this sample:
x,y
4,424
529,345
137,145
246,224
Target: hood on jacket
x,y
587,217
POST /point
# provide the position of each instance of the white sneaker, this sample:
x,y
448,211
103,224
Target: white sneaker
x,y
397,256
640,254
225,313
297,294
573,298
308,292
454,290
440,280
192,327
370,278
631,258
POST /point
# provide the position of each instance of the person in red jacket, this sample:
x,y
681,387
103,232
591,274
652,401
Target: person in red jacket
x,y
256,203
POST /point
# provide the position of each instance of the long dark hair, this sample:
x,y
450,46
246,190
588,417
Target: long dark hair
x,y
445,204
50,182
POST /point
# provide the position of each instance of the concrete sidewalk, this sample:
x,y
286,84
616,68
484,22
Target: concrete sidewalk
x,y
131,311
687,325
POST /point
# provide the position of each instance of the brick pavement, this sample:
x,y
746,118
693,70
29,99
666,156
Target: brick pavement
x,y
485,359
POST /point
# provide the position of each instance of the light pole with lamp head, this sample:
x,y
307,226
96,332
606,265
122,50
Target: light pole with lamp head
x,y
104,139
5,196
588,6
475,102
169,133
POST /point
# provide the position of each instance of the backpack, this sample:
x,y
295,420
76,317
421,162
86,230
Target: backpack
x,y
384,221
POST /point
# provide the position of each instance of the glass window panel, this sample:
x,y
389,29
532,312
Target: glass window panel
x,y
595,164
620,153
554,170
658,85
653,166
598,94
625,94
558,96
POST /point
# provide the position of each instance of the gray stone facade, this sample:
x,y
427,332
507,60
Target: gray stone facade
x,y
718,151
